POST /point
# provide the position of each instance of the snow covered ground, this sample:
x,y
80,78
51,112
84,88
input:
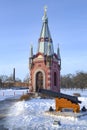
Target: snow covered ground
x,y
11,93
29,115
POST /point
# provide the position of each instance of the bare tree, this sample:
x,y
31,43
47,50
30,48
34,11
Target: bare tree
x,y
79,80
26,79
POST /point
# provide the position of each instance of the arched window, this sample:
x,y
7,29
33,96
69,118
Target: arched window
x,y
55,79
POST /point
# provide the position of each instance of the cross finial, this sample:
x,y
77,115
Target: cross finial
x,y
45,10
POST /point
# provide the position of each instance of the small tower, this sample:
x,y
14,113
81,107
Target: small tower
x,y
31,57
45,64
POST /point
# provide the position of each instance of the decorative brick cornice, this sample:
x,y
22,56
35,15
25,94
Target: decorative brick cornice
x,y
46,39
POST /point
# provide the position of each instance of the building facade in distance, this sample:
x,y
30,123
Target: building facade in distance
x,y
45,65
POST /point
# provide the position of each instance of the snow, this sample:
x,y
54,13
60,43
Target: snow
x,y
9,93
30,115
82,92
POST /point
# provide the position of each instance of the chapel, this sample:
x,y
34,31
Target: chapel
x,y
45,65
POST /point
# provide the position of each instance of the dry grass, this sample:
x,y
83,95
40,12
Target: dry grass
x,y
27,96
34,95
77,94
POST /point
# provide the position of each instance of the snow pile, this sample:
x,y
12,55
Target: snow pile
x,y
29,115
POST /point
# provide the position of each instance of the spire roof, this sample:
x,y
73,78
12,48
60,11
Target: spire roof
x,y
58,53
31,51
45,37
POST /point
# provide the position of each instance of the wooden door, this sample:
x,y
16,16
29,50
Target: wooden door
x,y
39,80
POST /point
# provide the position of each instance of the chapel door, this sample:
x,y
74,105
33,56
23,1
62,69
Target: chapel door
x,y
39,80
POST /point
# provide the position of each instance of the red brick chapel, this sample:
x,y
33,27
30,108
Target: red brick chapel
x,y
45,65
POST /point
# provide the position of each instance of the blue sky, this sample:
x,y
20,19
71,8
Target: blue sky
x,y
20,26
